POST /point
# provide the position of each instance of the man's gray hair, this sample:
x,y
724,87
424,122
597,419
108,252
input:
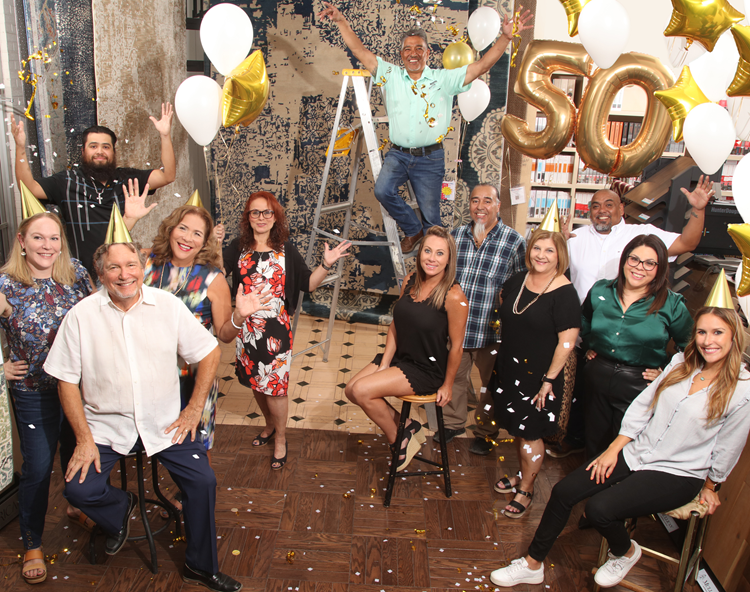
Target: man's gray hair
x,y
494,187
135,247
415,32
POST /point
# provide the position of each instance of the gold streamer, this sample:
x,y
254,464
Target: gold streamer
x,y
515,42
31,77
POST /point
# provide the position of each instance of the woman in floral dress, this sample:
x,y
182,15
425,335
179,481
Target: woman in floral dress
x,y
271,264
39,284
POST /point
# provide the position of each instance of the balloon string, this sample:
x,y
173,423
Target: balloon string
x,y
506,164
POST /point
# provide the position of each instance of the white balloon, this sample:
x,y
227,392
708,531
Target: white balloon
x,y
741,188
714,70
604,28
474,101
198,107
709,136
680,54
739,109
226,36
483,26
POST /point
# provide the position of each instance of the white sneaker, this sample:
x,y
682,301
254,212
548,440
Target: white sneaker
x,y
616,568
518,572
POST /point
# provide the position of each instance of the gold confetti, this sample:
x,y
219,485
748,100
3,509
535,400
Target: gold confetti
x,y
236,552
335,73
419,531
452,29
373,491
347,495
501,458
359,442
458,569
290,557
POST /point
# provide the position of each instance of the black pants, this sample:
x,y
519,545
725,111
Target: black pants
x,y
637,493
610,389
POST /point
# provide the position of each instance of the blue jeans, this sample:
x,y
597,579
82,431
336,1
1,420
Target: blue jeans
x,y
41,424
426,175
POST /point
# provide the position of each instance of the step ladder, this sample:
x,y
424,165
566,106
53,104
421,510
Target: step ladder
x,y
341,142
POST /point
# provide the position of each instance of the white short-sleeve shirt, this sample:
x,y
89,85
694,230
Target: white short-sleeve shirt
x,y
595,256
126,364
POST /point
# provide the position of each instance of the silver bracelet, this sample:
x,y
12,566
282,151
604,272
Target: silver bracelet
x,y
231,318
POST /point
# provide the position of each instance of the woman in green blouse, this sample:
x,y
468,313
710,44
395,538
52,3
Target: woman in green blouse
x,y
626,326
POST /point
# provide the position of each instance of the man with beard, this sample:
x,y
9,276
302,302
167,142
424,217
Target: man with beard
x,y
487,253
419,101
86,194
595,249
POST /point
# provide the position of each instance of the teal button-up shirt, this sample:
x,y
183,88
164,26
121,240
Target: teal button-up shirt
x,y
416,121
633,337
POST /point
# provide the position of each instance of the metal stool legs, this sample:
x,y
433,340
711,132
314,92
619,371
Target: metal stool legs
x,y
444,469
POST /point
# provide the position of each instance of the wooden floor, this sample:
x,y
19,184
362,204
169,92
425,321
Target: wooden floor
x,y
319,525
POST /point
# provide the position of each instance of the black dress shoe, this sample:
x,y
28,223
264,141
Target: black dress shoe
x,y
480,446
115,542
218,581
449,434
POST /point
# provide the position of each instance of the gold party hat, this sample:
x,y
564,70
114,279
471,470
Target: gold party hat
x,y
720,297
30,205
551,220
195,200
117,232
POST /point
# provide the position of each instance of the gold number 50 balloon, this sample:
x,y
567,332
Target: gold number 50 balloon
x,y
534,84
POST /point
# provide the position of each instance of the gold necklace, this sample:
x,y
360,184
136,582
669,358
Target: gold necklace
x,y
515,304
184,283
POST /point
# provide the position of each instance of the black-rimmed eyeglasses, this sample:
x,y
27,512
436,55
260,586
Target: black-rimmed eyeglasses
x,y
648,264
255,214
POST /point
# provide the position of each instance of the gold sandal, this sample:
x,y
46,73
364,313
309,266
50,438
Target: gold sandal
x,y
32,559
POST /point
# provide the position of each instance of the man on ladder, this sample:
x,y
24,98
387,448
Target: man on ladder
x,y
419,101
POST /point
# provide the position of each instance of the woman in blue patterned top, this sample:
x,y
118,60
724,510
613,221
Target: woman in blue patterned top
x,y
39,284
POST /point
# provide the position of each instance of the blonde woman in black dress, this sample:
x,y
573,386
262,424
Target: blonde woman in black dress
x,y
416,359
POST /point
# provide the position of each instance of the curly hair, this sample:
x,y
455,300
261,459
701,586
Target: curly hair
x,y
210,253
279,232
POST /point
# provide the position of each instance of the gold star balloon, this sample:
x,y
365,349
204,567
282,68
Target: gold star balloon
x,y
680,99
703,21
573,9
245,91
740,234
741,82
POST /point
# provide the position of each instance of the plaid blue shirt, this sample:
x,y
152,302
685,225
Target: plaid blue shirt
x,y
481,272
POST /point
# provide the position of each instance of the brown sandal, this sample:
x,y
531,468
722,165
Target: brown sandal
x,y
82,520
32,559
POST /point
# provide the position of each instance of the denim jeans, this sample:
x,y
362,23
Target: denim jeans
x,y
41,424
426,175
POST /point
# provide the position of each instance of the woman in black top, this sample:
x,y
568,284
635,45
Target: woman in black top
x,y
416,359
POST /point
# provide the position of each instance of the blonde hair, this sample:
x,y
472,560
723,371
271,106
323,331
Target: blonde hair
x,y
209,253
437,297
16,267
560,246
722,388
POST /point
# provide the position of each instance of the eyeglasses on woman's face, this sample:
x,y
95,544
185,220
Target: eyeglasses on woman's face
x,y
255,214
648,264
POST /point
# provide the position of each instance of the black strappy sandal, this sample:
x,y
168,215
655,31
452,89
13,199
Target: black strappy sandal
x,y
518,506
504,486
261,441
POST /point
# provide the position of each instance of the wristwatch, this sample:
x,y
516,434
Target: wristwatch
x,y
715,489
550,380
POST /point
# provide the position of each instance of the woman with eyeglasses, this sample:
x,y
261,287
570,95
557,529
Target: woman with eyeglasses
x,y
270,262
627,324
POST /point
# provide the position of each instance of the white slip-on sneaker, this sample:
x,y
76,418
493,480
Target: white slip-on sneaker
x,y
616,568
518,572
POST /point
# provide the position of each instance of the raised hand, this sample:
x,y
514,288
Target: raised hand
x,y
331,13
135,203
330,256
521,21
164,125
247,304
19,132
702,193
220,232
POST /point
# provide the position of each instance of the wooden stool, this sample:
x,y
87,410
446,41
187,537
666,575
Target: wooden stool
x,y
443,467
162,502
690,556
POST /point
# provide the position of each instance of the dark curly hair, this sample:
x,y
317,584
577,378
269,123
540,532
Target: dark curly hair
x,y
279,232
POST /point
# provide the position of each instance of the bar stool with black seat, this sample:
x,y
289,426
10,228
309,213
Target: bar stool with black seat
x,y
443,468
690,555
161,502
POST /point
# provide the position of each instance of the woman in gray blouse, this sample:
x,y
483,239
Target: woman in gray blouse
x,y
680,438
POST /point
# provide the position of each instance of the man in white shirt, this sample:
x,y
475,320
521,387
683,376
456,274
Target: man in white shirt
x,y
121,346
595,250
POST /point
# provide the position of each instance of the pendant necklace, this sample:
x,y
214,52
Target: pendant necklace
x,y
515,304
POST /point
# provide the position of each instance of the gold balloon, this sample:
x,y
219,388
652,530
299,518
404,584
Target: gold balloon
x,y
534,85
740,234
593,146
703,21
456,55
573,9
741,81
245,91
680,99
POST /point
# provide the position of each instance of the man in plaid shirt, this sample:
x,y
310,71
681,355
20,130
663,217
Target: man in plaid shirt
x,y
488,253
